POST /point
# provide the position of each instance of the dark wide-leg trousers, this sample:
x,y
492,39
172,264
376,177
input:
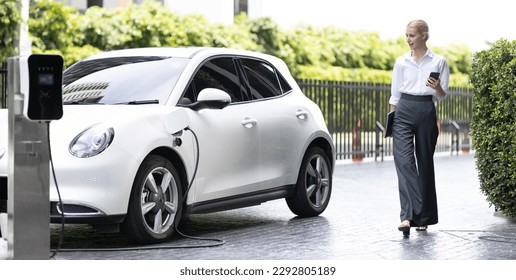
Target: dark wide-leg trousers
x,y
414,137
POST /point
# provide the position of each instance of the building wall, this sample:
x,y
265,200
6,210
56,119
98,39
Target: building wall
x,y
78,4
217,11
82,5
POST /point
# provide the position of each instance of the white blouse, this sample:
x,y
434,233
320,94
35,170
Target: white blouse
x,y
410,77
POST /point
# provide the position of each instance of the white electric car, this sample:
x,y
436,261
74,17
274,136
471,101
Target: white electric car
x,y
148,135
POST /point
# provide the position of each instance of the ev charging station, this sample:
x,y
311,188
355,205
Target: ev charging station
x,y
34,99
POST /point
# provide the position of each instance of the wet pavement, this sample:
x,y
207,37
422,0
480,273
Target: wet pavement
x,y
359,224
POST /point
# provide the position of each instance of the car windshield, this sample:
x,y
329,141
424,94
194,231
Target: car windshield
x,y
122,80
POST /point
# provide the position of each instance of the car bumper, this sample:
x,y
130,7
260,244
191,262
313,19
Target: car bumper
x,y
92,187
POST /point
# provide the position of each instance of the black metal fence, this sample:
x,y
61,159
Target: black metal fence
x,y
3,85
355,114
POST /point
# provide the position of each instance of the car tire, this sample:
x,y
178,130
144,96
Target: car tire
x,y
313,188
153,211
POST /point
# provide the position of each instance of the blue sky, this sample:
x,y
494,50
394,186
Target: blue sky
x,y
471,23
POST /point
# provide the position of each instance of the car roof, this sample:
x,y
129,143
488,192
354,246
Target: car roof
x,y
184,52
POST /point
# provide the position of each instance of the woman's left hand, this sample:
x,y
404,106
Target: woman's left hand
x,y
436,85
433,83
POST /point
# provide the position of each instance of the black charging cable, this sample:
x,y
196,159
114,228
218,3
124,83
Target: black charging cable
x,y
61,235
218,241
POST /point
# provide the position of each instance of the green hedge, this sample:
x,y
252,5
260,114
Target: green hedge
x,y
334,73
494,123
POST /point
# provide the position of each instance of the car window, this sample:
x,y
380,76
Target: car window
x,y
87,67
285,86
122,80
219,73
263,79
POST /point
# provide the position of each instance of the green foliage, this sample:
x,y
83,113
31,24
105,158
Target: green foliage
x,y
146,25
9,20
315,53
152,25
494,119
334,73
263,32
459,80
107,29
459,58
74,53
231,37
51,25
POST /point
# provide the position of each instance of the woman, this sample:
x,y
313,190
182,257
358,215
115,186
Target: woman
x,y
415,129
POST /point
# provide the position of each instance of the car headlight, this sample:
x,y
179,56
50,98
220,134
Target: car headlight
x,y
92,141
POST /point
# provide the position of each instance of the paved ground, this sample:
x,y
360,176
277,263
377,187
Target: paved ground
x,y
360,224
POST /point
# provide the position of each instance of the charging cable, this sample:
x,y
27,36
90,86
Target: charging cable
x,y
61,237
218,241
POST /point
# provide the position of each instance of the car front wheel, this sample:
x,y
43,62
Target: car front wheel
x,y
313,188
154,202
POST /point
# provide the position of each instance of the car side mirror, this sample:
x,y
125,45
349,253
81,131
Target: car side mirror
x,y
211,98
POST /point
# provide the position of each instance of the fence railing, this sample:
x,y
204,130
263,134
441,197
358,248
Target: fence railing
x,y
3,85
355,114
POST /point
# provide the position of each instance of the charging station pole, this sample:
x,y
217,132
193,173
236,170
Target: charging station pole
x,y
35,98
28,205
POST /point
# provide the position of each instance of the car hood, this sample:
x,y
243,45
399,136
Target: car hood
x,y
127,118
84,116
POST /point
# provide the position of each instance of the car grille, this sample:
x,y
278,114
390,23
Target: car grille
x,y
70,209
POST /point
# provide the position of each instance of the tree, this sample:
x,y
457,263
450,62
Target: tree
x,y
54,28
51,25
10,19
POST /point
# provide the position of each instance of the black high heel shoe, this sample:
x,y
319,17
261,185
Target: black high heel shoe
x,y
422,228
405,230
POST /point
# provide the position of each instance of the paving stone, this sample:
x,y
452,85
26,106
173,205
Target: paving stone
x,y
359,224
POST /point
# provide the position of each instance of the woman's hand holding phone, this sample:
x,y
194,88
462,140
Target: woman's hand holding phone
x,y
433,80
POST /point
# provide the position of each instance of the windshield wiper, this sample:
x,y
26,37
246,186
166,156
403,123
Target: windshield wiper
x,y
83,101
139,102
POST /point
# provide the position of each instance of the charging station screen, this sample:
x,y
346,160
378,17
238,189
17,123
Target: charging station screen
x,y
46,79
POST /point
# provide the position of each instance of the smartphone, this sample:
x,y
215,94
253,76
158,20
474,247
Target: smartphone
x,y
435,75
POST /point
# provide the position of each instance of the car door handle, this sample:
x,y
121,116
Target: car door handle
x,y
302,114
249,123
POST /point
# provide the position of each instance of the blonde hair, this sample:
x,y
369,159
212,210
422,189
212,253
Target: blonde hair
x,y
421,26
